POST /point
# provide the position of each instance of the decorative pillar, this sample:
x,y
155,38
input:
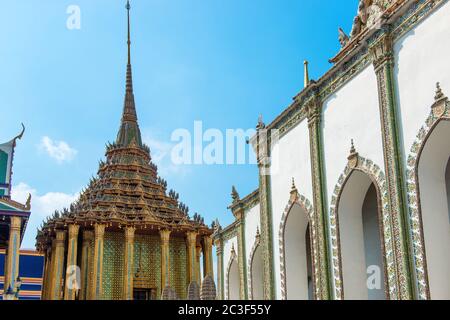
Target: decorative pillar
x,y
263,158
191,237
46,277
197,265
71,285
323,279
86,258
383,60
51,273
97,272
220,278
165,259
128,270
13,254
207,256
58,266
239,213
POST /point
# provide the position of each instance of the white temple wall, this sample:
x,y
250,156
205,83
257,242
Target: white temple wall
x,y
421,58
252,223
290,159
351,113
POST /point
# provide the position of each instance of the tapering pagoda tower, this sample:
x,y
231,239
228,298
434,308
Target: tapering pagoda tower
x,y
126,237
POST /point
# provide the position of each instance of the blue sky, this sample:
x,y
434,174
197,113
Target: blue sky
x,y
220,62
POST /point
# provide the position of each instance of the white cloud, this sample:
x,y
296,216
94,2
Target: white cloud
x,y
58,150
160,151
41,207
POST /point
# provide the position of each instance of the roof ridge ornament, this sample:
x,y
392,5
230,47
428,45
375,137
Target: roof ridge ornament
x,y
261,124
343,37
234,194
369,14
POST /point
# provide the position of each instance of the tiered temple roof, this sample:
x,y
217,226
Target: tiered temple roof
x,y
127,190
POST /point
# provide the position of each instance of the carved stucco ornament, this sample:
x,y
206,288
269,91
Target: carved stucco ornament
x,y
353,157
440,101
294,192
343,37
369,15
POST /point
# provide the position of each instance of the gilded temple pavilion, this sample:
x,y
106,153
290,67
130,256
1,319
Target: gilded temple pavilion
x,y
126,236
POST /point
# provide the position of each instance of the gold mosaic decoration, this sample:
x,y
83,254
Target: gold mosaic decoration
x,y
147,260
178,266
113,263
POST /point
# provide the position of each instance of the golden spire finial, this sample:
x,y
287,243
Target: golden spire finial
x,y
306,73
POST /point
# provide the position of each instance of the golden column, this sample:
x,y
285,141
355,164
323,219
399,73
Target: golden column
x,y
219,252
72,281
51,271
45,280
12,256
207,256
86,258
58,266
97,272
128,270
197,265
165,259
192,255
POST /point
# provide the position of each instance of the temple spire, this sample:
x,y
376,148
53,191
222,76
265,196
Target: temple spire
x,y
129,130
128,7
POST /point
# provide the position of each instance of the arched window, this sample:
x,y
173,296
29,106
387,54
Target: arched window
x,y
256,273
433,170
233,279
361,244
297,254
